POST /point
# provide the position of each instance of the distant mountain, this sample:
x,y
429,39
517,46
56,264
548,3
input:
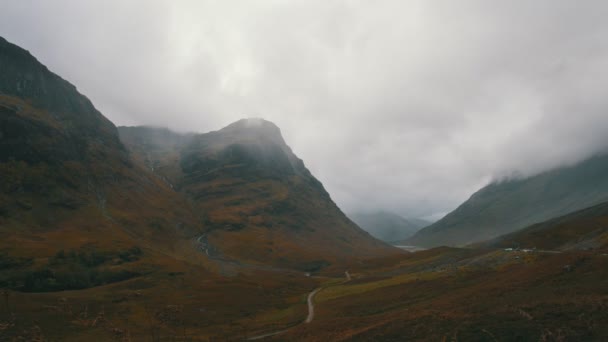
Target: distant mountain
x,y
259,202
387,226
506,206
585,229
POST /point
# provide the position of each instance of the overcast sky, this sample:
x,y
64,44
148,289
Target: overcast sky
x,y
408,106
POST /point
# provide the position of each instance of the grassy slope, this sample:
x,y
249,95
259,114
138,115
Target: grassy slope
x,y
557,292
584,230
506,206
259,203
176,290
67,183
472,295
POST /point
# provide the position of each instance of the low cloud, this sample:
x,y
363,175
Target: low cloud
x,y
408,106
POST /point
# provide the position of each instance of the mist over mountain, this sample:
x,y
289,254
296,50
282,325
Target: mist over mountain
x,y
241,188
387,226
412,97
258,201
214,211
511,204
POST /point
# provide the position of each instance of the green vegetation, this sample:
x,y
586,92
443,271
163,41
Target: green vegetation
x,y
71,270
508,205
9,262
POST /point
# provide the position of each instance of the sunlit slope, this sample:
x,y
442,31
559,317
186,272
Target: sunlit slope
x,y
506,206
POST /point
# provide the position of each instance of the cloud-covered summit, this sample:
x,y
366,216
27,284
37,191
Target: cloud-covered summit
x,y
407,106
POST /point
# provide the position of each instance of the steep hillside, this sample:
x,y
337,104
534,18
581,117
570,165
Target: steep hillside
x,y
96,244
67,183
585,229
259,202
387,226
506,206
156,149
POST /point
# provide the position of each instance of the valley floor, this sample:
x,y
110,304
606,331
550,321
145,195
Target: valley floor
x,y
449,294
442,294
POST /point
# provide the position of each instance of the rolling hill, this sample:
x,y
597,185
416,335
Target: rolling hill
x,y
506,206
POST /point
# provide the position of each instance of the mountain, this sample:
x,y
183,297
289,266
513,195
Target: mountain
x,y
103,242
65,172
506,206
259,203
387,226
140,233
585,229
156,149
68,183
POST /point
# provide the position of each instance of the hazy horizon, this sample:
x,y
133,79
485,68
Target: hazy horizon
x,y
408,106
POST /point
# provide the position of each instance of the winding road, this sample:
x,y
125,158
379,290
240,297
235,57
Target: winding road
x,y
204,246
311,311
311,305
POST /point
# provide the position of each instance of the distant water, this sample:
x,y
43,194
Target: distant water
x,y
411,248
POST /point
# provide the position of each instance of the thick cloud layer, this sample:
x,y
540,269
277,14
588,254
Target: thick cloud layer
x,y
401,105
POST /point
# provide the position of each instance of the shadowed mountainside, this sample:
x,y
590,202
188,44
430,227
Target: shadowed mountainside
x,y
63,168
259,202
506,206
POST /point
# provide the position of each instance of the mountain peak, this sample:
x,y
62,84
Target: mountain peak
x,y
254,126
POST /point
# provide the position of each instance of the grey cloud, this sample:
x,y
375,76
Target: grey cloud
x,y
402,105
